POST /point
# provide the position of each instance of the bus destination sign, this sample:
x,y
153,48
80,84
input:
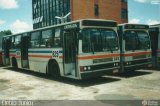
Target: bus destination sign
x,y
130,26
71,26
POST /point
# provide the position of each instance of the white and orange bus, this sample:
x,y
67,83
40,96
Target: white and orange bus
x,y
155,41
1,63
80,49
135,46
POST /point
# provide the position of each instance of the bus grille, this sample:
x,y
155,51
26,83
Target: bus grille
x,y
139,57
102,60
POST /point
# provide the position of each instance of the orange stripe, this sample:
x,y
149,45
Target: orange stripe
x,y
12,55
40,56
18,56
135,54
61,57
98,56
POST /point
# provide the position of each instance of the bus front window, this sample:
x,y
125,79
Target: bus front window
x,y
130,40
136,40
99,40
144,42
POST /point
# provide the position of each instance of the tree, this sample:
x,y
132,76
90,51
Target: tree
x,y
5,32
2,33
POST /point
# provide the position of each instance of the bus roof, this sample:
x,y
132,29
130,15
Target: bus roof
x,y
134,26
155,26
58,25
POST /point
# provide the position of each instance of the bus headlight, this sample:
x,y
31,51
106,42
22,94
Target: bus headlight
x,y
85,68
89,68
129,63
126,63
117,64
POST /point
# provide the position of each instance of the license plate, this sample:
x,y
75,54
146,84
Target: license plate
x,y
115,71
149,65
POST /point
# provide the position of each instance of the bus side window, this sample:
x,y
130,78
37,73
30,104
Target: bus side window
x,y
12,43
35,39
17,41
47,38
57,38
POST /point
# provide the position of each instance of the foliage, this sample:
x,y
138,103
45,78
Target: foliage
x,y
5,32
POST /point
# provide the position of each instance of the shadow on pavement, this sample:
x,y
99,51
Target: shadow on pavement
x,y
81,83
130,74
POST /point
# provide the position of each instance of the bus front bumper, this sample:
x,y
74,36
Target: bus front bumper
x,y
99,73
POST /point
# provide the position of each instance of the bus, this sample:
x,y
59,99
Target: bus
x,y
80,49
154,33
1,63
135,47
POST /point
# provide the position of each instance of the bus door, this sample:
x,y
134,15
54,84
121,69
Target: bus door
x,y
24,51
6,47
70,52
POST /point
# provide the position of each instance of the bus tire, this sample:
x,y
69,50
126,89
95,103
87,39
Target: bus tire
x,y
53,69
14,63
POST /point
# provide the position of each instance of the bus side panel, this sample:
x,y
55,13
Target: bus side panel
x,y
12,54
158,50
1,61
39,58
154,45
18,58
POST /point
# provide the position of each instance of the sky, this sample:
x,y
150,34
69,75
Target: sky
x,y
16,15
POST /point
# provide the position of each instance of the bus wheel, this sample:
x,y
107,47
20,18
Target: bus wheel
x,y
14,63
53,69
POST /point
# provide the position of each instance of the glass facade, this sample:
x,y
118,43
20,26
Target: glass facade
x,y
44,12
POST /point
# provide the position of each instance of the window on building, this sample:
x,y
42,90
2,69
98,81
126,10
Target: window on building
x,y
124,1
49,9
124,13
96,8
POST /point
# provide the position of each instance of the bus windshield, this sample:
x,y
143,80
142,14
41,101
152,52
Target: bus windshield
x,y
99,40
136,40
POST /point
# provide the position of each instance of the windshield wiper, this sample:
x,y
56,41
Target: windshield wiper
x,y
92,47
142,43
109,46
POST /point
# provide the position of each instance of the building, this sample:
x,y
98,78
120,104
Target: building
x,y
45,11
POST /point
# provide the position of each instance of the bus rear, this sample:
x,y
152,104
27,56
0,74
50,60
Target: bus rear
x,y
154,33
135,47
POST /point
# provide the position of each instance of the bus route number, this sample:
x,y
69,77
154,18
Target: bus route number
x,y
55,53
